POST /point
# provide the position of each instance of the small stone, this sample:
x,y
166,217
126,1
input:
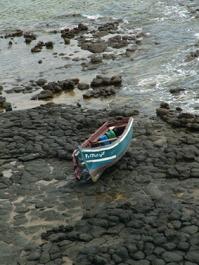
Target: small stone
x,y
7,106
2,101
138,255
122,252
44,258
36,49
164,105
85,237
169,256
97,47
34,256
82,27
49,45
193,256
116,258
183,245
83,86
45,94
190,263
176,90
157,261
66,41
41,82
99,260
95,59
192,229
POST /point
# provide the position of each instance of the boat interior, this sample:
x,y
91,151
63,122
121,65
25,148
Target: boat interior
x,y
106,134
111,135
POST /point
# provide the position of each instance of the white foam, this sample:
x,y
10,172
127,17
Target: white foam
x,y
92,17
196,35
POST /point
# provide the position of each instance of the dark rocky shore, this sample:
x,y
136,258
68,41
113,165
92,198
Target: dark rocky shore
x,y
143,211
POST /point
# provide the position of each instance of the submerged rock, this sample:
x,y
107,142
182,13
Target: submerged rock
x,y
68,33
103,86
192,56
109,27
52,88
29,37
17,33
1,89
41,82
176,90
106,81
83,86
97,46
118,42
95,59
49,45
2,101
43,95
82,27
38,47
178,119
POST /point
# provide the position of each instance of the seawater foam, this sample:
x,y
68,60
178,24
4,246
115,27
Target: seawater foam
x,y
196,35
92,17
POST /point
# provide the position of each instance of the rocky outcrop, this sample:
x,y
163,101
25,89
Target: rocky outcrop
x,y
177,118
142,233
94,46
103,86
17,33
4,104
156,182
68,33
52,88
192,56
29,37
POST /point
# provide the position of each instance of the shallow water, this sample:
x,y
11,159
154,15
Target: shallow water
x,y
157,67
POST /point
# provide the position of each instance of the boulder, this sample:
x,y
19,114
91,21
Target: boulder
x,y
2,101
43,95
176,90
29,36
49,45
83,86
41,82
94,47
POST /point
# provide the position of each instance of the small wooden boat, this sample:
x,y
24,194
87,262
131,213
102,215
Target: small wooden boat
x,y
102,149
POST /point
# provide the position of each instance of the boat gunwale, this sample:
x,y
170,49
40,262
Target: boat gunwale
x,y
112,145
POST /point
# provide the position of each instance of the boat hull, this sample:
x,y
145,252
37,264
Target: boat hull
x,y
96,160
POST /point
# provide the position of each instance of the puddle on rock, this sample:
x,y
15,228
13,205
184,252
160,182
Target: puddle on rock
x,y
111,197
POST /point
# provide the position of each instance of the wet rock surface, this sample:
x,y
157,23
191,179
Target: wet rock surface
x,y
4,105
103,86
192,56
139,233
29,37
52,88
144,210
178,118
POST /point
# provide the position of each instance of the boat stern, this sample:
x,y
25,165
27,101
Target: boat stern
x,y
80,168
